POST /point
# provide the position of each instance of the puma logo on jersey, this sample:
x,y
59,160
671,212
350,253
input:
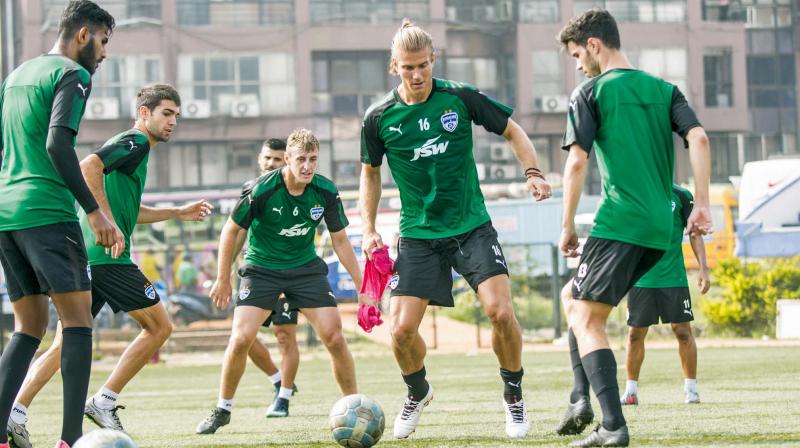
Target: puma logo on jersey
x,y
397,129
430,148
133,146
83,89
295,230
279,210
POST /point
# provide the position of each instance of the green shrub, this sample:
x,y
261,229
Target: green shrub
x,y
749,293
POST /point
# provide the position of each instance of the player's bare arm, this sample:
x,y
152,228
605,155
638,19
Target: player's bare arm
x,y
699,249
92,170
221,290
526,154
369,197
699,222
574,177
193,211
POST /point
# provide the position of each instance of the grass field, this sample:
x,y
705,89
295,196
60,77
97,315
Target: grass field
x,y
751,397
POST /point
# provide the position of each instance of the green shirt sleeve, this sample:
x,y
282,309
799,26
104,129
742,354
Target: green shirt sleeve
x,y
125,154
69,100
334,215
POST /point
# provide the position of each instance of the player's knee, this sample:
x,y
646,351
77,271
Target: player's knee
x,y
334,341
403,334
500,316
164,331
240,343
683,333
636,335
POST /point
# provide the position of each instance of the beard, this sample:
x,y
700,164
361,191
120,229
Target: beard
x,y
87,58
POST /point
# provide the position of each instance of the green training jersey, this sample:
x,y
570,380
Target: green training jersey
x,y
44,92
124,159
627,116
282,226
429,150
670,271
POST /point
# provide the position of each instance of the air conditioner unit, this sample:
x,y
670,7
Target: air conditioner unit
x,y
196,109
500,152
102,109
501,172
245,106
552,104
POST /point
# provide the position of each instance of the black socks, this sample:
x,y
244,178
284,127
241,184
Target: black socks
x,y
580,387
417,386
14,366
601,368
76,364
512,385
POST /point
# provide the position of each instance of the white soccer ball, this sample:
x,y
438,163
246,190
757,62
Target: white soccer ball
x,y
105,438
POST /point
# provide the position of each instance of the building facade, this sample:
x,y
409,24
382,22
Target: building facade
x,y
252,69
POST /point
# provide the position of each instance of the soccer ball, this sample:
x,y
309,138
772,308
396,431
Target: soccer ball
x,y
357,421
105,438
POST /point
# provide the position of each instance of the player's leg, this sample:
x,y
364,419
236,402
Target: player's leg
x,y
634,357
246,322
259,354
286,334
687,349
328,325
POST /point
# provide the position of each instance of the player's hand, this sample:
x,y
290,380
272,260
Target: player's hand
x,y
569,242
363,298
539,188
106,233
699,222
221,293
195,211
703,280
371,241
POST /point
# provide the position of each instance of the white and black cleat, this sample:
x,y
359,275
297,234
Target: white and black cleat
x,y
406,422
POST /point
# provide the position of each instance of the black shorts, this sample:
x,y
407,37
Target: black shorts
x,y
39,260
305,287
609,269
647,305
424,267
282,314
123,287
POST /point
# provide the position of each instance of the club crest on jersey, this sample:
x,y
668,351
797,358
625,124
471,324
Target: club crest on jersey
x,y
394,281
244,293
89,271
149,291
316,212
449,121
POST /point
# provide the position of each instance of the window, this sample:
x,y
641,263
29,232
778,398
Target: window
x,y
122,77
264,82
367,11
547,76
480,72
235,12
754,13
725,157
718,77
539,11
479,11
348,82
666,63
644,11
119,9
208,164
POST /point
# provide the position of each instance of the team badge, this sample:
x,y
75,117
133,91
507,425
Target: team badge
x,y
449,121
149,291
244,293
394,281
89,271
316,212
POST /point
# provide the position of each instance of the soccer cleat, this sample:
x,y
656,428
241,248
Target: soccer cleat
x,y
18,436
629,400
691,397
278,408
517,424
406,421
277,387
578,416
603,437
62,444
104,418
219,417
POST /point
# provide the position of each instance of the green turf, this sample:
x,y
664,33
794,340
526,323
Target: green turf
x,y
751,397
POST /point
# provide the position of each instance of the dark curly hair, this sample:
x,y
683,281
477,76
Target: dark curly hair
x,y
597,23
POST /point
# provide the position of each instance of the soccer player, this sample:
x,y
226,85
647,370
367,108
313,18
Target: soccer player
x,y
116,174
281,212
41,246
664,293
627,116
424,128
283,319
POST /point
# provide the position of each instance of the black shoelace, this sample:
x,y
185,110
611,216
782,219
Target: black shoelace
x,y
408,408
517,411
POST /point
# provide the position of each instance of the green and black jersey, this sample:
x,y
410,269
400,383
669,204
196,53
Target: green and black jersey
x,y
282,226
44,92
429,150
627,116
124,159
670,272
